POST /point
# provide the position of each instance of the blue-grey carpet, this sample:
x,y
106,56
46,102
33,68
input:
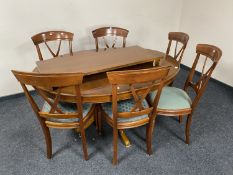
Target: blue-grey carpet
x,y
22,145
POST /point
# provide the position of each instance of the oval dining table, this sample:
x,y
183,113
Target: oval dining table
x,y
96,88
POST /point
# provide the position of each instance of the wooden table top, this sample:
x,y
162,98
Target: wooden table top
x,y
95,87
92,62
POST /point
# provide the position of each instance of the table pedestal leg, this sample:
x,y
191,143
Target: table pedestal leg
x,y
124,138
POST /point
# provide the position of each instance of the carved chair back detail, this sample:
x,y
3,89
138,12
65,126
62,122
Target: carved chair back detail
x,y
140,83
208,53
134,78
49,87
109,31
178,38
48,36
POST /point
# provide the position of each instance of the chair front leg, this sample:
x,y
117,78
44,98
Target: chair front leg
x,y
180,118
47,136
115,145
187,129
48,143
84,143
149,133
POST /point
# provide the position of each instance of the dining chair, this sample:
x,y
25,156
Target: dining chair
x,y
134,111
180,40
177,102
54,113
107,32
45,37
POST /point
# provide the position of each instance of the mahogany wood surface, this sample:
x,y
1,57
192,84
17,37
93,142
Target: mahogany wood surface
x,y
91,62
96,87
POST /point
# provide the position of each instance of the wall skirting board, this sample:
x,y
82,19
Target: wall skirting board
x,y
9,97
13,96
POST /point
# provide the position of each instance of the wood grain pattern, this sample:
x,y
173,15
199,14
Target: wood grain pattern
x,y
91,62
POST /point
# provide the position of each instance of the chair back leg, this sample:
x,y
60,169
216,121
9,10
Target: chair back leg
x,y
187,129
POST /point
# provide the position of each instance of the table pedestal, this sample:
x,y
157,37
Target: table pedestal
x,y
124,138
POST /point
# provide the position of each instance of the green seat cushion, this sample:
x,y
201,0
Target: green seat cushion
x,y
67,108
124,106
172,99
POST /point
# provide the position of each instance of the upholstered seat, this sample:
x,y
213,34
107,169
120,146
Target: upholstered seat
x,y
172,98
67,108
124,106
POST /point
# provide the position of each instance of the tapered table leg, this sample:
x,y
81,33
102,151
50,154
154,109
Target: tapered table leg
x,y
124,138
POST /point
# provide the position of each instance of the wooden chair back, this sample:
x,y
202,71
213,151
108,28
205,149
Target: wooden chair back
x,y
109,31
209,53
55,82
45,37
178,38
132,78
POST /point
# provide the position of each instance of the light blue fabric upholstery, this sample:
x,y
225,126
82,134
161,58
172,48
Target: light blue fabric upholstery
x,y
125,106
67,108
172,98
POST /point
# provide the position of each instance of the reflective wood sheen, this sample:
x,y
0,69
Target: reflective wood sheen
x,y
45,37
96,88
109,31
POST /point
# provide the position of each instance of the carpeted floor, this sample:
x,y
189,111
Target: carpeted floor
x,y
22,147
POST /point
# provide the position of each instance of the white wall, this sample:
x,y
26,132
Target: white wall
x,y
148,22
210,21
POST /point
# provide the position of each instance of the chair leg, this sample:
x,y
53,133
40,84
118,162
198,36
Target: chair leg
x,y
48,143
47,136
180,118
96,118
100,129
84,143
187,129
115,145
149,134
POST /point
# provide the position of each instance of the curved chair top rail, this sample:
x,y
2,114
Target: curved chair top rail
x,y
179,36
48,80
137,76
212,52
110,31
51,36
43,37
